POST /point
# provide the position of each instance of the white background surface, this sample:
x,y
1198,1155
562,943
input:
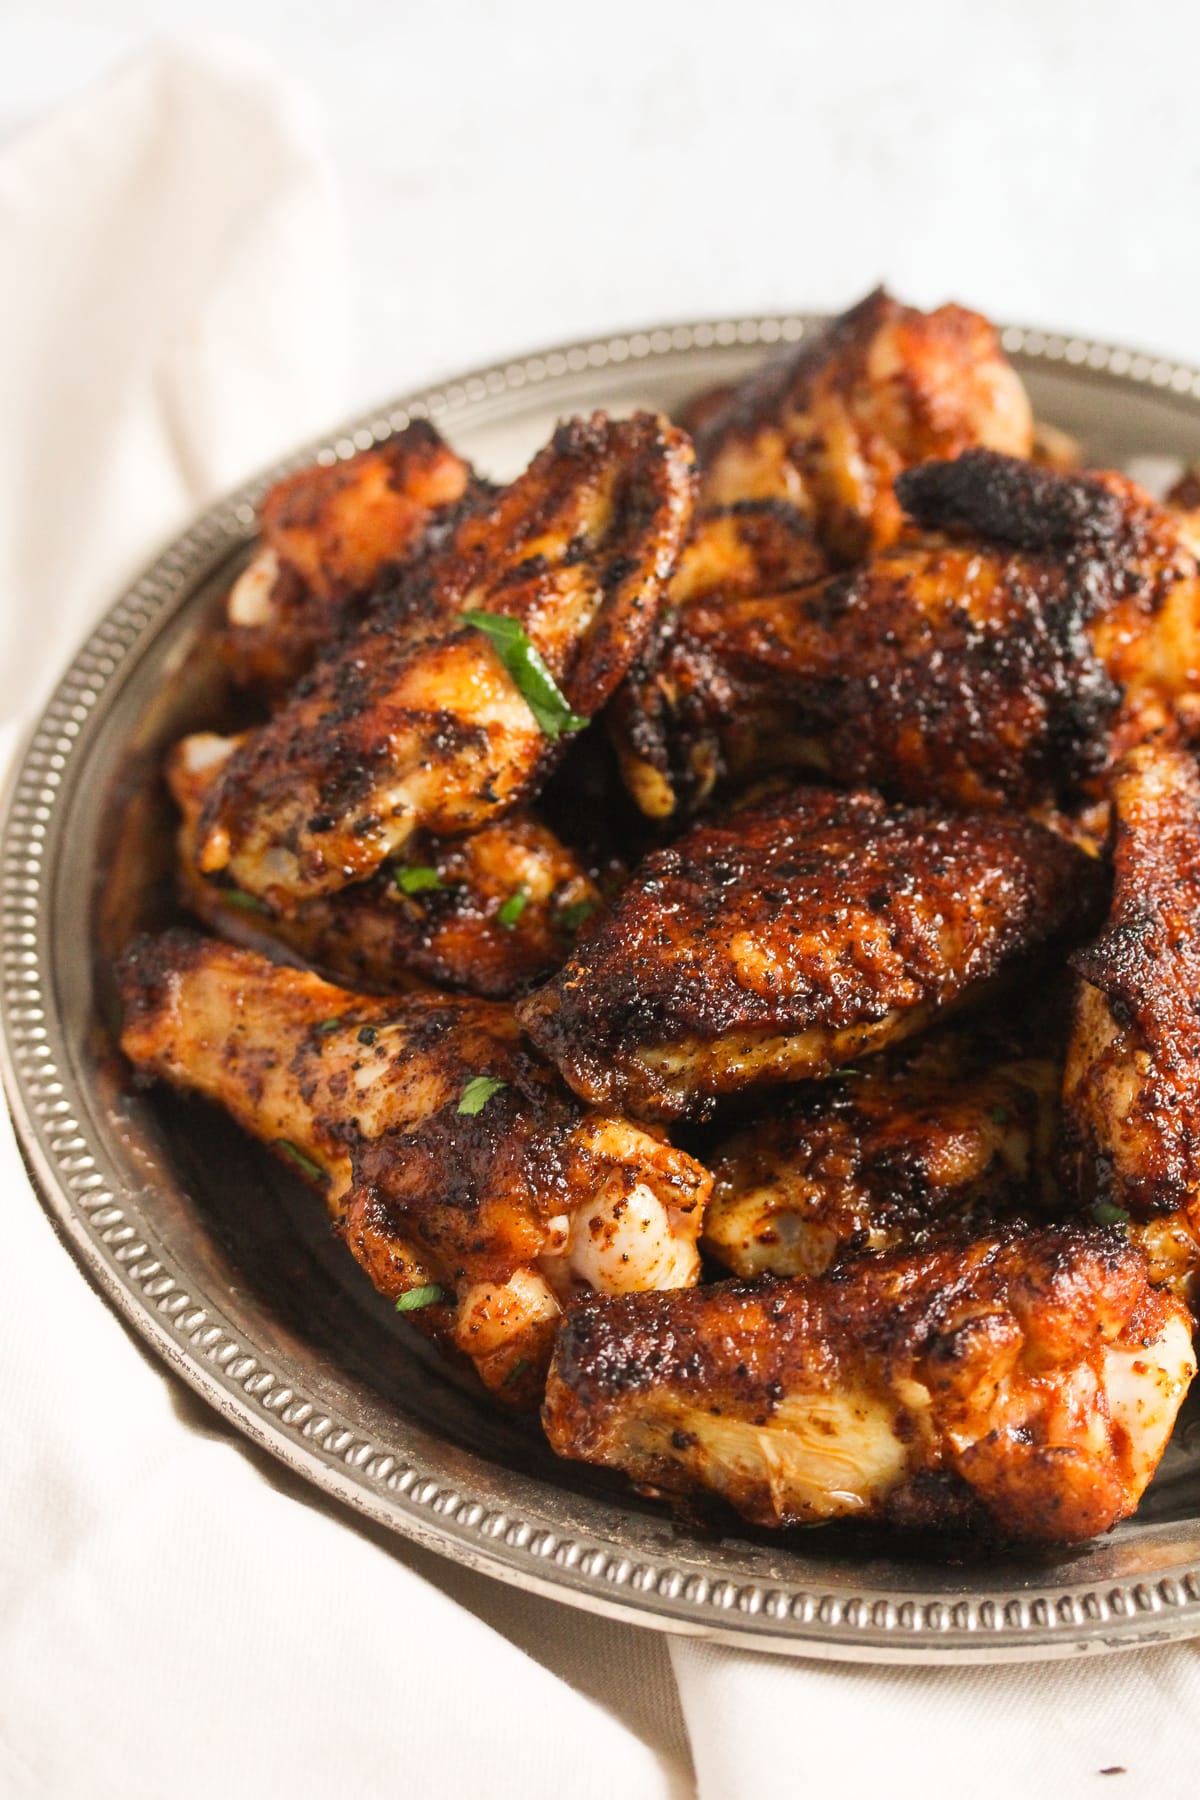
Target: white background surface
x,y
525,170
516,174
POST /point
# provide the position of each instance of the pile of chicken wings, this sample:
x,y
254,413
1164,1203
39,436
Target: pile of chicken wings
x,y
718,921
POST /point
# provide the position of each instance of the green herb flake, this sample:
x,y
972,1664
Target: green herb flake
x,y
418,879
537,686
307,1167
1105,1213
328,1025
512,909
999,1115
417,1297
244,902
478,1092
576,914
519,1368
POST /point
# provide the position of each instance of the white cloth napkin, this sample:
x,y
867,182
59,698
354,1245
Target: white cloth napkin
x,y
177,1615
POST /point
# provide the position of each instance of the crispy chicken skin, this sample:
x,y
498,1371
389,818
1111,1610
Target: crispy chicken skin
x,y
510,1208
1024,1384
497,917
829,425
413,721
1038,625
1131,1095
795,936
956,1130
327,534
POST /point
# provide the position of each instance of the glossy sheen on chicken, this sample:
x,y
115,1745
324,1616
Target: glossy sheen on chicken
x,y
413,722
509,1202
1025,1383
797,936
957,1130
1131,1096
829,425
1043,624
327,534
491,914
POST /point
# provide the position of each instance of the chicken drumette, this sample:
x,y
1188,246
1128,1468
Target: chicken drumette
x,y
1025,1382
452,1163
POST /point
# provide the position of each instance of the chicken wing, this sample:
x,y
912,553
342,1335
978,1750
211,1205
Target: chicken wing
x,y
327,534
1042,625
1131,1095
830,424
794,937
491,914
416,721
456,1169
1026,1383
957,1130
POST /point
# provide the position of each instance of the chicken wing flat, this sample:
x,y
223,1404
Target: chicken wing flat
x,y
1041,625
954,1131
452,1163
491,914
1025,1384
327,534
415,721
829,425
796,936
1131,1096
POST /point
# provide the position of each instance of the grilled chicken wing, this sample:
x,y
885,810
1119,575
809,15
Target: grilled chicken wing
x,y
1043,624
829,425
957,1130
327,534
1131,1095
794,937
448,1155
1027,1382
491,914
414,721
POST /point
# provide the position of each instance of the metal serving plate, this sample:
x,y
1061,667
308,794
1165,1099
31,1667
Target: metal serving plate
x,y
224,1264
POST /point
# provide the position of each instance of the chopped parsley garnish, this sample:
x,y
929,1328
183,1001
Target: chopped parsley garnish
x,y
573,916
999,1115
417,879
244,902
304,1163
513,907
1105,1213
518,1369
417,1297
537,686
328,1025
478,1092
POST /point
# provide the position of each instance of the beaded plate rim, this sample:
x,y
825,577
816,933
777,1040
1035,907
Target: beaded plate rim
x,y
102,1221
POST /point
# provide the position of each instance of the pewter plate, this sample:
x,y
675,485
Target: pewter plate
x,y
224,1265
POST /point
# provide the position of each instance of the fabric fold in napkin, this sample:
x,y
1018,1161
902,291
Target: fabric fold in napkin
x,y
177,1616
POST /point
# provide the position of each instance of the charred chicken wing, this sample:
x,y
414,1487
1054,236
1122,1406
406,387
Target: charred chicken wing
x,y
490,914
956,1130
327,534
1040,625
1026,1383
828,426
452,1163
794,937
1131,1097
424,718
